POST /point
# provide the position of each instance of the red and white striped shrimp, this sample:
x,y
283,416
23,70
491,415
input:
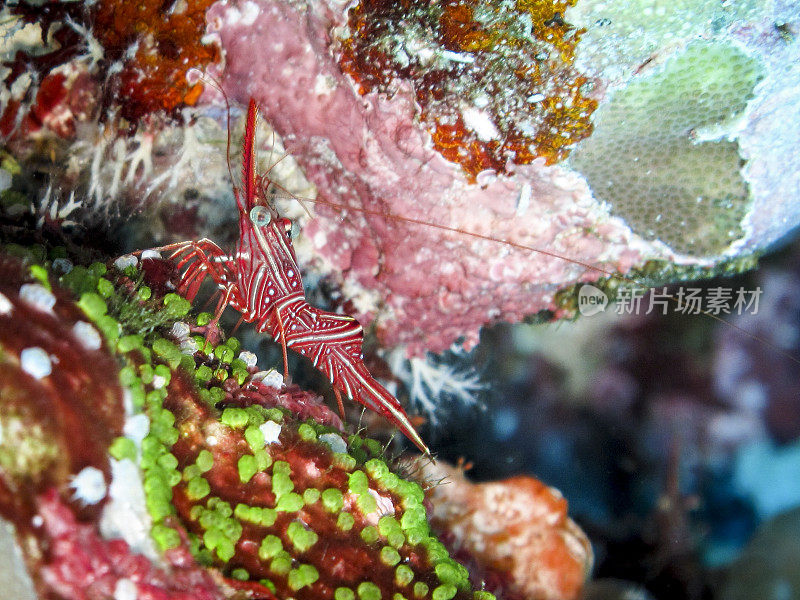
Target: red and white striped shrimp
x,y
262,281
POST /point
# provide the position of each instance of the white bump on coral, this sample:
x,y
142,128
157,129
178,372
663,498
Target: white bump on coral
x,y
125,515
5,305
127,260
271,431
334,442
89,485
269,378
37,295
248,357
180,330
151,254
480,123
35,362
126,590
87,335
136,428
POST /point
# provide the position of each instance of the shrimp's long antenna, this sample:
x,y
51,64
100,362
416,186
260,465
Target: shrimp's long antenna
x,y
215,83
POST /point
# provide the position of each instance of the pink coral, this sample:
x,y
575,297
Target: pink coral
x,y
428,286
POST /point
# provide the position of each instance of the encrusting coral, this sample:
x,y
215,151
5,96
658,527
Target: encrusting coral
x,y
250,488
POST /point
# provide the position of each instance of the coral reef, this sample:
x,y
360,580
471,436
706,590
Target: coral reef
x,y
188,472
136,57
369,143
494,83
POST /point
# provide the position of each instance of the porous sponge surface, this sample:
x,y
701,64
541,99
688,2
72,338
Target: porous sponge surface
x,y
657,157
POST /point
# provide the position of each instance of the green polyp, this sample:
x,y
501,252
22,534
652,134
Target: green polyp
x,y
436,550
358,482
410,492
417,535
263,459
403,575
377,469
164,372
281,564
389,556
191,472
483,595
302,539
274,414
374,446
444,592
224,354
243,512
146,372
268,584
40,274
270,547
396,539
205,460
366,502
234,344
93,305
144,293
398,596
414,516
240,375
176,306
344,461
302,576
217,394
388,525
127,376
247,467
267,517
221,374
368,591
233,417
254,437
345,521
204,318
137,395
256,415
420,589
369,534
306,432
165,537
129,342
198,488
122,448
332,500
108,326
167,461
104,287
451,573
311,495
344,593
290,502
203,374
281,480
240,574
196,512
390,481
168,351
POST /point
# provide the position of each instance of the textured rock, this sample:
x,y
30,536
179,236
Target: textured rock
x,y
518,528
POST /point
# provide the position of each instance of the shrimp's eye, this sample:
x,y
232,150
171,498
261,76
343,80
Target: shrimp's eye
x,y
287,226
260,216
